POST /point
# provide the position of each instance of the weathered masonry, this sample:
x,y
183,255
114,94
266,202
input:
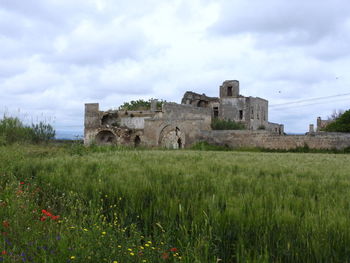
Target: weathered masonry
x,y
181,125
176,125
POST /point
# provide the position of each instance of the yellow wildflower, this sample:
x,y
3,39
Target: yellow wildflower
x,y
147,245
72,257
132,254
104,233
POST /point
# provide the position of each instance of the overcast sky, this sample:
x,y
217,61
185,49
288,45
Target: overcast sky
x,y
56,55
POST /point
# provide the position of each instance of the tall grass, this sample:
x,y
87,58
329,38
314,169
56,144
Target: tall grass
x,y
12,130
209,206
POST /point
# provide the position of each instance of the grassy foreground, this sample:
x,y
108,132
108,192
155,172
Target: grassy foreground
x,y
70,204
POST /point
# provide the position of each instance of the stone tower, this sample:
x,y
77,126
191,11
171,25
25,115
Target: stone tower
x,y
229,89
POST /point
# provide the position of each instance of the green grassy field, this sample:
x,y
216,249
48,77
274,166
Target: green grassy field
x,y
119,205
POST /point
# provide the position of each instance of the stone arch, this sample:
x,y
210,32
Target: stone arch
x,y
172,137
105,137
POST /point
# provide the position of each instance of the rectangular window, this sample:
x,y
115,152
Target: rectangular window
x,y
229,91
252,114
216,112
241,115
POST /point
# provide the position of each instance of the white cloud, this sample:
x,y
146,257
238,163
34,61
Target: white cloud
x,y
57,55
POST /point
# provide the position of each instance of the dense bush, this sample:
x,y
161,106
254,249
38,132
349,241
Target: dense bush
x,y
218,124
341,124
13,130
139,105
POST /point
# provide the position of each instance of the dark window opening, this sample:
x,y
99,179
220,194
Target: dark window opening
x,y
179,143
201,103
241,115
216,112
176,131
229,91
137,141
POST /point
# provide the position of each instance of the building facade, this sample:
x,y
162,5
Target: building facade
x,y
177,125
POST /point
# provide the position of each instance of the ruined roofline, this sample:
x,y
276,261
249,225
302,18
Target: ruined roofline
x,y
202,96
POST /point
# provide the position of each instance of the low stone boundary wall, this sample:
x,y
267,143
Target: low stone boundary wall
x,y
263,139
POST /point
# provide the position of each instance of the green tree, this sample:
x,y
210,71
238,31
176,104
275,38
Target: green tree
x,y
341,124
136,105
43,132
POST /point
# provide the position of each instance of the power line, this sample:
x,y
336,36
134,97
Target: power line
x,y
310,104
311,99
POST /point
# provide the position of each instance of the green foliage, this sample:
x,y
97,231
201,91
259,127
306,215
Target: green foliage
x,y
140,105
12,130
218,124
341,124
43,132
233,206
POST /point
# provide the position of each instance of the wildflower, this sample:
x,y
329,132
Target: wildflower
x,y
147,245
149,242
119,246
85,230
174,249
142,247
3,252
103,233
22,183
165,255
46,213
115,261
43,218
6,224
129,249
72,257
144,261
132,254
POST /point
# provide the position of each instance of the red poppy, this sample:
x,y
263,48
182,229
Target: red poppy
x,y
6,224
43,218
21,182
46,213
55,217
174,249
3,252
165,255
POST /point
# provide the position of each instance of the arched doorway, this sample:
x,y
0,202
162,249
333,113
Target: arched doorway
x,y
137,141
179,143
172,137
105,138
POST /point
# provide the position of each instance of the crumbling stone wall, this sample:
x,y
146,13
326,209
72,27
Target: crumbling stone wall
x,y
264,139
176,126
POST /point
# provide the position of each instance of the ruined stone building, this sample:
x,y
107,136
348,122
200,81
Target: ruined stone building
x,y
177,125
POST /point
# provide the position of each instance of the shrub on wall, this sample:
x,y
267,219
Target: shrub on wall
x,y
218,124
341,124
136,105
